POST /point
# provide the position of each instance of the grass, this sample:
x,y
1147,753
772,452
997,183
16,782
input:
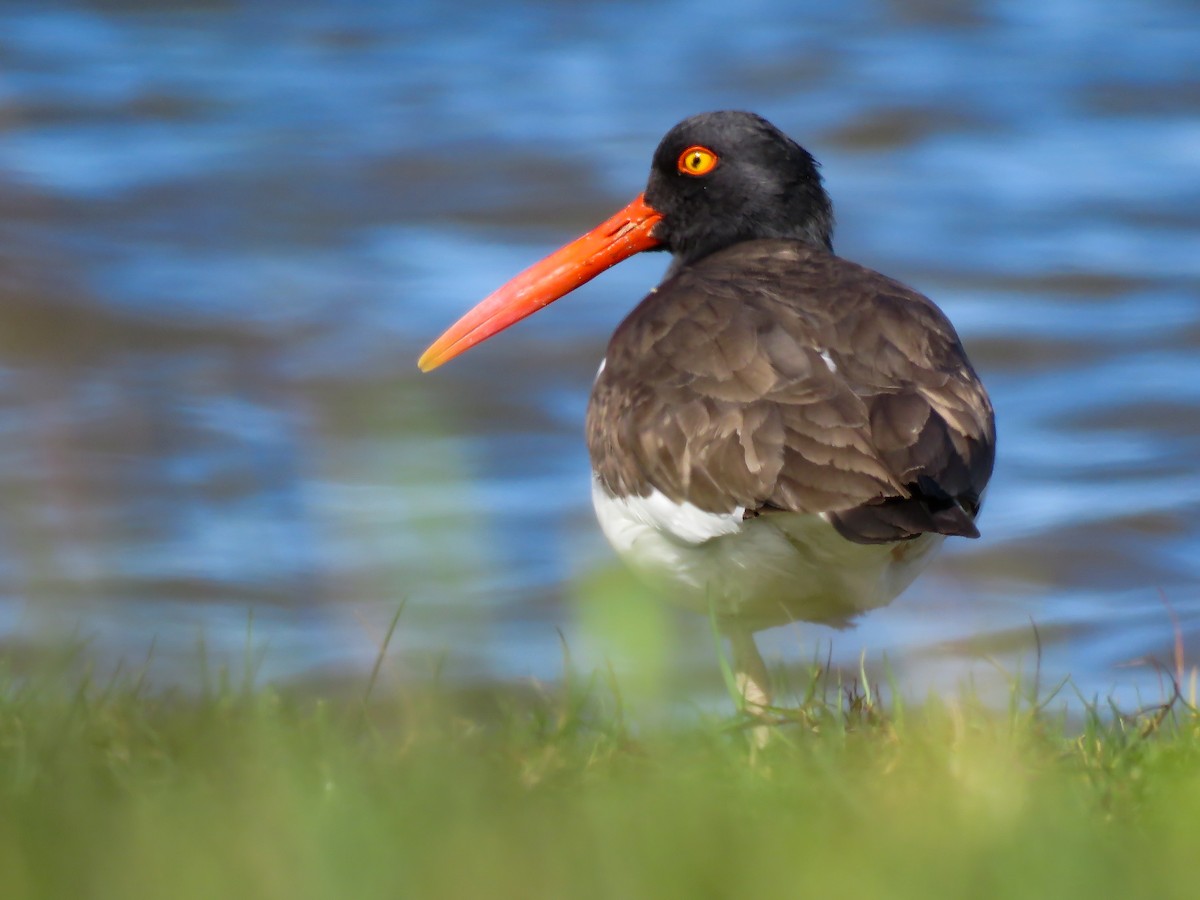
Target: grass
x,y
115,791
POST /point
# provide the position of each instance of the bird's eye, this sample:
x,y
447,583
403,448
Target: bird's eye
x,y
697,161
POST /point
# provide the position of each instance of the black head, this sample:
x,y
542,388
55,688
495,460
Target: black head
x,y
763,185
717,180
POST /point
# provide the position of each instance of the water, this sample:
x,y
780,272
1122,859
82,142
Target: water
x,y
228,231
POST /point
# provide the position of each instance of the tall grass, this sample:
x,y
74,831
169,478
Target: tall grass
x,y
113,790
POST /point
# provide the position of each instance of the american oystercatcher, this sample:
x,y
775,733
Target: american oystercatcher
x,y
776,433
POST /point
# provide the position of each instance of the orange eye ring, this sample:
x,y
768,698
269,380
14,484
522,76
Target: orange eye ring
x,y
697,160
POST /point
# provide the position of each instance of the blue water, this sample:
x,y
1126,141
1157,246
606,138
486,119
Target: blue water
x,y
228,231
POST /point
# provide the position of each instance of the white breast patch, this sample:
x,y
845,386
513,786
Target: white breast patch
x,y
765,570
622,519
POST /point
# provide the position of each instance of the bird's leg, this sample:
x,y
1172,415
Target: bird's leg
x,y
750,676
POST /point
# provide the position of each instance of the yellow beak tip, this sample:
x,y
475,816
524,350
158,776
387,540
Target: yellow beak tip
x,y
433,357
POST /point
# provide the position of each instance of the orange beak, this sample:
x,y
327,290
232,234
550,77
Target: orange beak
x,y
626,233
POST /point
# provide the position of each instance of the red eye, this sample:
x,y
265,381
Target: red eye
x,y
697,160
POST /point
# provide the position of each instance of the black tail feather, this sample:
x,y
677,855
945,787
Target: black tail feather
x,y
927,510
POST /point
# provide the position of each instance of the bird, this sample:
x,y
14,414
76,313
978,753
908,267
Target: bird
x,y
776,433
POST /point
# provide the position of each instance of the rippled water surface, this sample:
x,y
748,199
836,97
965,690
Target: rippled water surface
x,y
228,230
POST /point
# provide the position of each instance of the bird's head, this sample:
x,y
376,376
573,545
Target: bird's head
x,y
717,179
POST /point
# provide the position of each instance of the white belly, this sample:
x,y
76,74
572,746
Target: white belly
x,y
762,571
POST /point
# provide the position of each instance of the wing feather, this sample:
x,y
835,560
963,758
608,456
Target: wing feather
x,y
774,376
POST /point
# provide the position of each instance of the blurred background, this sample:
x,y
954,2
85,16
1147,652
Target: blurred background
x,y
228,229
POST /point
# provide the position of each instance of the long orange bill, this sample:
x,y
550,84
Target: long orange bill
x,y
626,233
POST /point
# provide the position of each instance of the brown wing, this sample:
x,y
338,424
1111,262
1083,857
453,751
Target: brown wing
x,y
773,376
